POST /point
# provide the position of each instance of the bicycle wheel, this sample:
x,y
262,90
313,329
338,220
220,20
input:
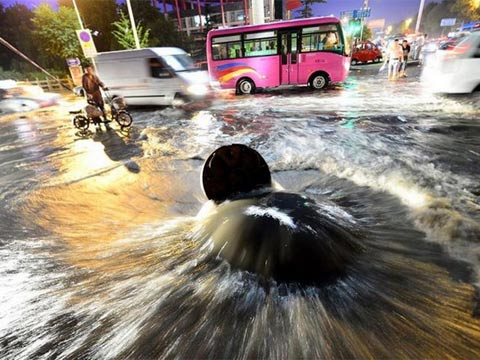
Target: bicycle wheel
x,y
123,118
81,122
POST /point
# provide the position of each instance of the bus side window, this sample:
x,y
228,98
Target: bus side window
x,y
294,49
223,52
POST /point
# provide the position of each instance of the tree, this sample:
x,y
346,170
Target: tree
x,y
366,33
307,11
55,32
163,31
17,29
124,34
98,16
466,9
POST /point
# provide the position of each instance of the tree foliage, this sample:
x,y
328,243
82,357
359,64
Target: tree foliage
x,y
434,12
467,10
17,28
163,31
123,33
55,31
366,33
98,16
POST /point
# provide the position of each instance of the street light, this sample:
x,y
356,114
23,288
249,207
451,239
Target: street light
x,y
407,23
419,17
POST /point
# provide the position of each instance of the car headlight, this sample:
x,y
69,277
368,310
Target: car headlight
x,y
197,89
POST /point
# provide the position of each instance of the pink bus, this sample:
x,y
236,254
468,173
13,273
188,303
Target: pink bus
x,y
292,52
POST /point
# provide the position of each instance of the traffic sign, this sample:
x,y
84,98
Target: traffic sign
x,y
361,13
448,22
346,14
86,41
73,62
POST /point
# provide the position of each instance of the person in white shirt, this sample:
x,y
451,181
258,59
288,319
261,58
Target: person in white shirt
x,y
394,58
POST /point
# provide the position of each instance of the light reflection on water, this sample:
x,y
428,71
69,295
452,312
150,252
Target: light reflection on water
x,y
105,262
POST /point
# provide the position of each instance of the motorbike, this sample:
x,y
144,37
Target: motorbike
x,y
92,113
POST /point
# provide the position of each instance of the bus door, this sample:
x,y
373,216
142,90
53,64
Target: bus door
x,y
289,51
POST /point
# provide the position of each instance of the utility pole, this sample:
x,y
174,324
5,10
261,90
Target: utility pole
x,y
362,22
82,28
419,18
132,22
78,14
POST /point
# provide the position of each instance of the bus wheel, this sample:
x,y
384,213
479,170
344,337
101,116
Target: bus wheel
x,y
319,81
245,87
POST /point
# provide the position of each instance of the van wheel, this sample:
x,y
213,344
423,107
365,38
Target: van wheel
x,y
319,81
179,100
245,87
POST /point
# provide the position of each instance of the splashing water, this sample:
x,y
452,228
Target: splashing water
x,y
101,262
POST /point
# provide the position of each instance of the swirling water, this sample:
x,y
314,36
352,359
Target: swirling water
x,y
104,253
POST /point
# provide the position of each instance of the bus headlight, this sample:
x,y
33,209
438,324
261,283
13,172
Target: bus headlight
x,y
197,89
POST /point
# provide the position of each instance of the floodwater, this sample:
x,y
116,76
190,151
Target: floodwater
x,y
104,251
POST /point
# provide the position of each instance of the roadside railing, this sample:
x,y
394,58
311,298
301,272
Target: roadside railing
x,y
50,84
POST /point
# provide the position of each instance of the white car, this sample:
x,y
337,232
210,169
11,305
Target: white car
x,y
15,98
457,71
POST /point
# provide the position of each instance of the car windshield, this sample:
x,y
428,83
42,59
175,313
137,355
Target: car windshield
x,y
180,62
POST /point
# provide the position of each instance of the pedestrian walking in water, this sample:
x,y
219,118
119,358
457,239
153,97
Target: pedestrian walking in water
x,y
394,57
403,65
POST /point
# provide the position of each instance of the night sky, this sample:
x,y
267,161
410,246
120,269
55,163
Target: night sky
x,y
390,10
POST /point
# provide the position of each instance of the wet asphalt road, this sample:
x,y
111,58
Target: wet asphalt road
x,y
102,254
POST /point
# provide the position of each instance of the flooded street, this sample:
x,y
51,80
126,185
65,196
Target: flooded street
x,y
105,252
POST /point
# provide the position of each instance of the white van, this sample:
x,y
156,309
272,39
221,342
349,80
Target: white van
x,y
457,70
152,76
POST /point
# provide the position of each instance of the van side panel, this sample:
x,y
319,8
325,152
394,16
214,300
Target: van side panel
x,y
128,74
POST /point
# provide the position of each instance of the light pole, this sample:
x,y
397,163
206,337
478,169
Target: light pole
x,y
78,14
407,24
365,6
419,18
134,27
82,28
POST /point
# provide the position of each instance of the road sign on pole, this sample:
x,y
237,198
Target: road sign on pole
x,y
86,41
361,13
448,22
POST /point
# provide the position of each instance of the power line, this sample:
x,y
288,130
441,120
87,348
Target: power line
x,y
18,52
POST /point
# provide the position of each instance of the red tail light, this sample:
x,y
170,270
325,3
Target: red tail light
x,y
461,49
